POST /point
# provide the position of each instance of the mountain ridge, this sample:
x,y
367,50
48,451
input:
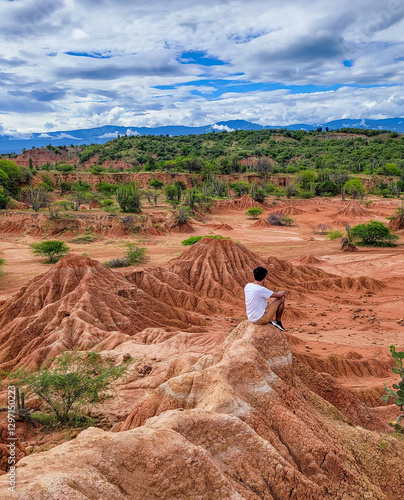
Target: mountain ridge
x,y
99,135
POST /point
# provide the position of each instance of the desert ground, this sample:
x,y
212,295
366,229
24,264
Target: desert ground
x,y
343,311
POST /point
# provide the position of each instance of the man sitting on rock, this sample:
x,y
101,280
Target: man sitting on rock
x,y
259,310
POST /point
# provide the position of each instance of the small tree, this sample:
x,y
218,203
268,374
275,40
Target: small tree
x,y
128,198
398,389
354,187
254,212
53,249
76,381
36,197
374,234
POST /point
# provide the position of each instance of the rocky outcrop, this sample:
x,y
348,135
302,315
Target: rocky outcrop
x,y
240,423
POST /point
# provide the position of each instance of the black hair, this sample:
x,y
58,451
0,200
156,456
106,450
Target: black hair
x,y
260,273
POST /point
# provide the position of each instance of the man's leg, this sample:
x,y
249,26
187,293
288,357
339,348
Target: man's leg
x,y
280,309
270,310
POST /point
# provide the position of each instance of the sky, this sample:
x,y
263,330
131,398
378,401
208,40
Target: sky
x,y
67,64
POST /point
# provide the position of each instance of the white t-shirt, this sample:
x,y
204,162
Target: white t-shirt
x,y
256,300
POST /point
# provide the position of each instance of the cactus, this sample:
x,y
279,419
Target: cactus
x,y
23,411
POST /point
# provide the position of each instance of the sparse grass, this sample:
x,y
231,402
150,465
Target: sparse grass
x,y
334,235
194,239
85,238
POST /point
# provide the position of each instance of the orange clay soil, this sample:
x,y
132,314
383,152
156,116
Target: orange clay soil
x,y
173,314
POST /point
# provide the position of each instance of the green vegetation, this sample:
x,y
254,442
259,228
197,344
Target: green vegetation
x,y
4,199
53,249
280,219
85,238
354,187
128,198
398,389
254,212
194,239
2,261
134,255
334,235
71,383
374,234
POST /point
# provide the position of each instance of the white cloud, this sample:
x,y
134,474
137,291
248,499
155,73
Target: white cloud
x,y
63,135
222,127
137,47
132,132
108,135
44,136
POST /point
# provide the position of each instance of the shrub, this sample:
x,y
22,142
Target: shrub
x,y
64,167
106,189
75,382
279,219
354,187
240,187
333,235
324,228
155,183
398,389
374,234
194,239
305,195
53,249
85,238
36,197
254,212
128,198
181,216
2,261
4,199
134,255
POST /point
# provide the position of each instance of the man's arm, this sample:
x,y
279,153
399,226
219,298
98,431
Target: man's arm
x,y
278,295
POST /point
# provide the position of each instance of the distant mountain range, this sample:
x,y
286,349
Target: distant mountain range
x,y
15,143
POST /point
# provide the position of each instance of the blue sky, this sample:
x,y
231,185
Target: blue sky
x,y
67,65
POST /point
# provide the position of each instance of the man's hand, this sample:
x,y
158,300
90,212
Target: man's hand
x,y
278,295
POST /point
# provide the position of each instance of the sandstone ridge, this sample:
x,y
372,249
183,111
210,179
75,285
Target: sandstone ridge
x,y
239,424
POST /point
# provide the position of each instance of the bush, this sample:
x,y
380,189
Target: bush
x,y
85,238
374,234
53,249
398,389
240,187
106,189
134,255
128,198
75,382
279,219
333,235
155,183
3,199
354,187
64,167
254,212
194,239
2,261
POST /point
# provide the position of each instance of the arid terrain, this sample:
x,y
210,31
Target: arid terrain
x,y
216,407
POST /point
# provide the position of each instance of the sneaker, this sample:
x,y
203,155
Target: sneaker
x,y
278,324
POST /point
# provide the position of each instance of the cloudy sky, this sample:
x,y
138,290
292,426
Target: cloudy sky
x,y
67,64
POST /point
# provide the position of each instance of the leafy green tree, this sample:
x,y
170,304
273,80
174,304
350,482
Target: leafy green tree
x,y
354,187
35,196
128,198
155,183
4,199
73,382
171,192
254,212
53,249
241,187
307,178
374,234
